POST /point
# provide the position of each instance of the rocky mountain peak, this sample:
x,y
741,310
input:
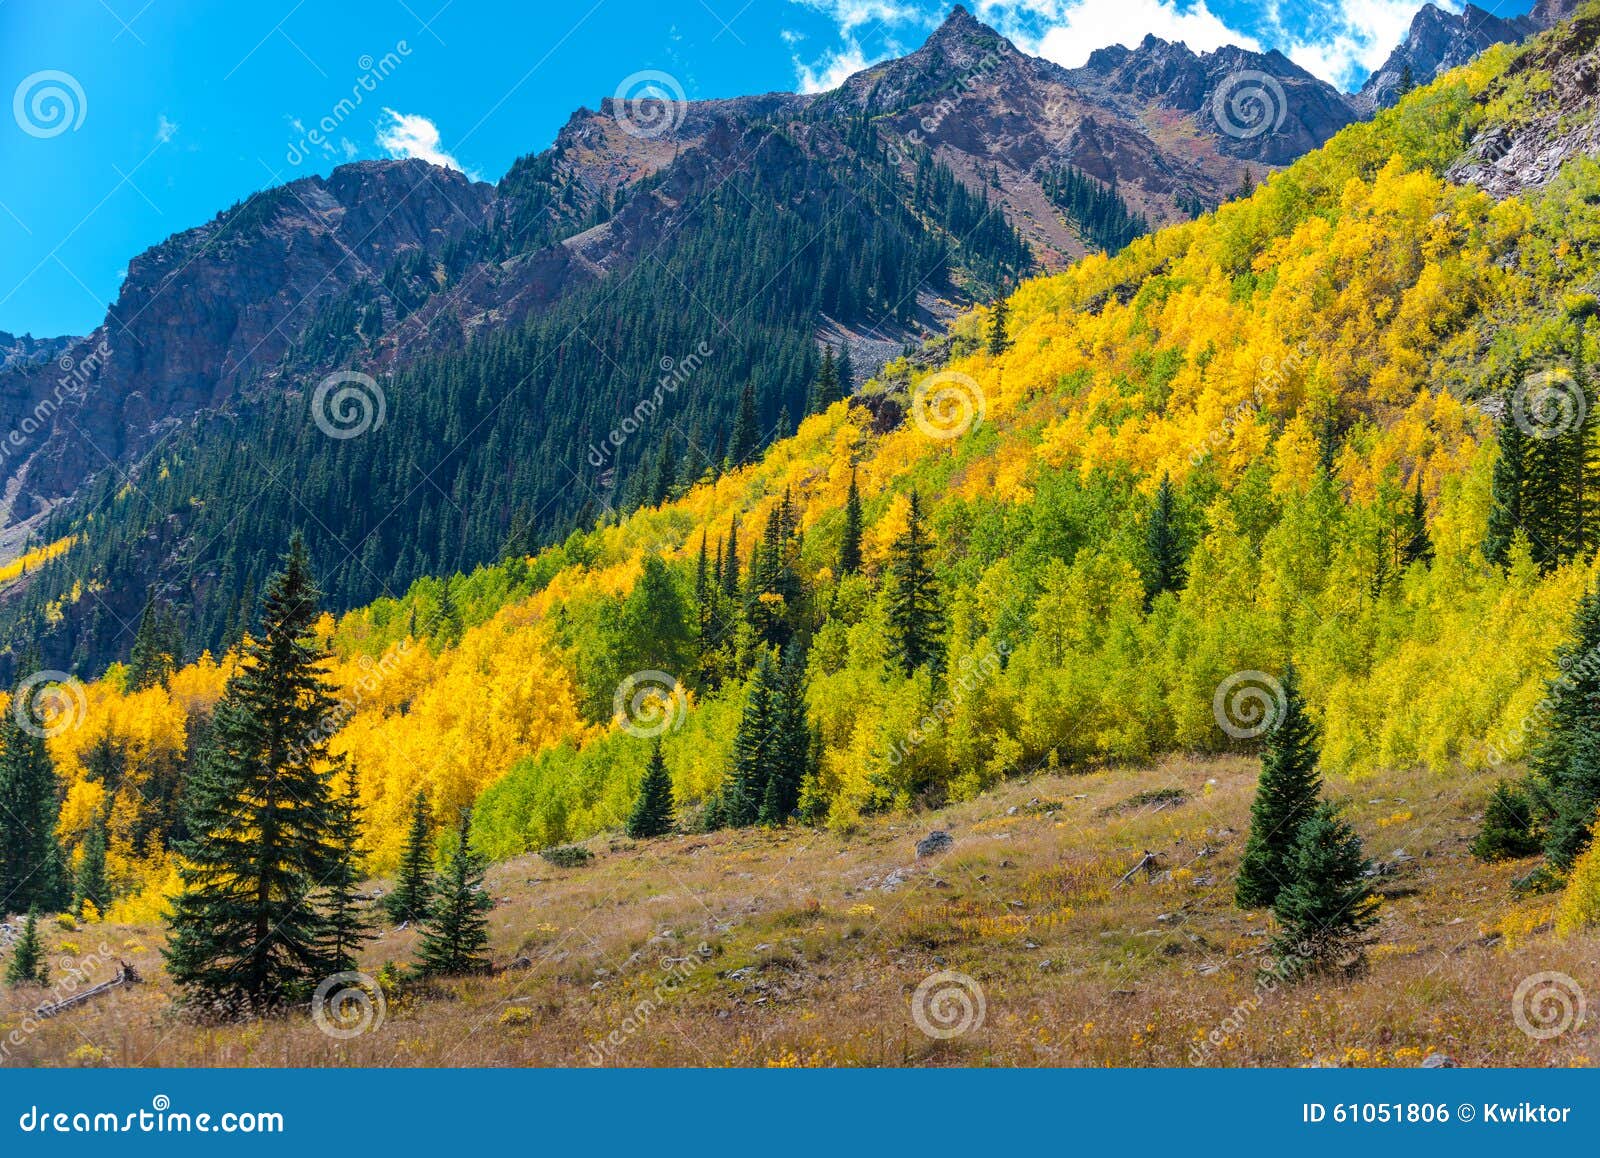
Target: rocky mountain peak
x,y
1436,42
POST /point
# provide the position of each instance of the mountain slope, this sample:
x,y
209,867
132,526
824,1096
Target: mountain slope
x,y
1437,42
498,337
1304,366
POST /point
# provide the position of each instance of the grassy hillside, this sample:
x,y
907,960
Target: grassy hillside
x,y
1304,367
806,948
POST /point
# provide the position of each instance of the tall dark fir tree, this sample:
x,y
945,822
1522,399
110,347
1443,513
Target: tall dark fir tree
x,y
1288,792
653,812
916,614
32,869
246,933
1163,544
456,932
412,894
850,538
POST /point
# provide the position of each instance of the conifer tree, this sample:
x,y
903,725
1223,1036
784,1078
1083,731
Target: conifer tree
x,y
850,540
91,884
827,390
244,931
1566,761
730,566
1418,544
1286,796
1163,544
998,339
456,932
916,616
28,965
846,371
1508,831
1505,502
1327,903
32,872
413,887
746,787
157,647
348,924
653,812
746,437
447,631
788,757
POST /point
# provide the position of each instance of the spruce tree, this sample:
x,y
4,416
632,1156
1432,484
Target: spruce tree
x,y
153,657
789,750
850,540
846,371
1505,499
348,924
653,812
1418,544
1286,796
998,339
746,785
1508,831
827,390
1163,545
27,965
413,886
1566,760
447,628
245,932
32,871
746,437
916,616
456,932
91,884
1327,903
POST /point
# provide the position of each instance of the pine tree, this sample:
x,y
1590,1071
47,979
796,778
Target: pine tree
x,y
413,886
789,750
28,965
1418,544
653,812
998,339
746,437
153,657
1326,904
1508,831
348,924
91,884
244,931
746,785
827,389
447,629
1286,796
32,872
456,932
850,540
1163,544
916,617
846,371
730,566
1566,761
1505,502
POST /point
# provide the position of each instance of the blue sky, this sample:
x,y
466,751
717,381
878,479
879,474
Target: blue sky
x,y
134,119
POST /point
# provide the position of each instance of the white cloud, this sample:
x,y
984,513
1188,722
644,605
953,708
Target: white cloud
x,y
851,15
165,129
832,70
1358,39
414,135
1067,31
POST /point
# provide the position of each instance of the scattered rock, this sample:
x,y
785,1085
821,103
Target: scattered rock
x,y
934,843
1440,1061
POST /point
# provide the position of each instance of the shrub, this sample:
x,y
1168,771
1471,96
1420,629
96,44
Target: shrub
x,y
567,855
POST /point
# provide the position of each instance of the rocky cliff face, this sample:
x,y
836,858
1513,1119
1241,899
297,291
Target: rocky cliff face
x,y
20,350
1437,42
382,261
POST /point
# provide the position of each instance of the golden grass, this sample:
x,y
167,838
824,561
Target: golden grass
x,y
806,948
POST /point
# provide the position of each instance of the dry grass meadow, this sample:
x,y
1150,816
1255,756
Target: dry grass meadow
x,y
807,948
